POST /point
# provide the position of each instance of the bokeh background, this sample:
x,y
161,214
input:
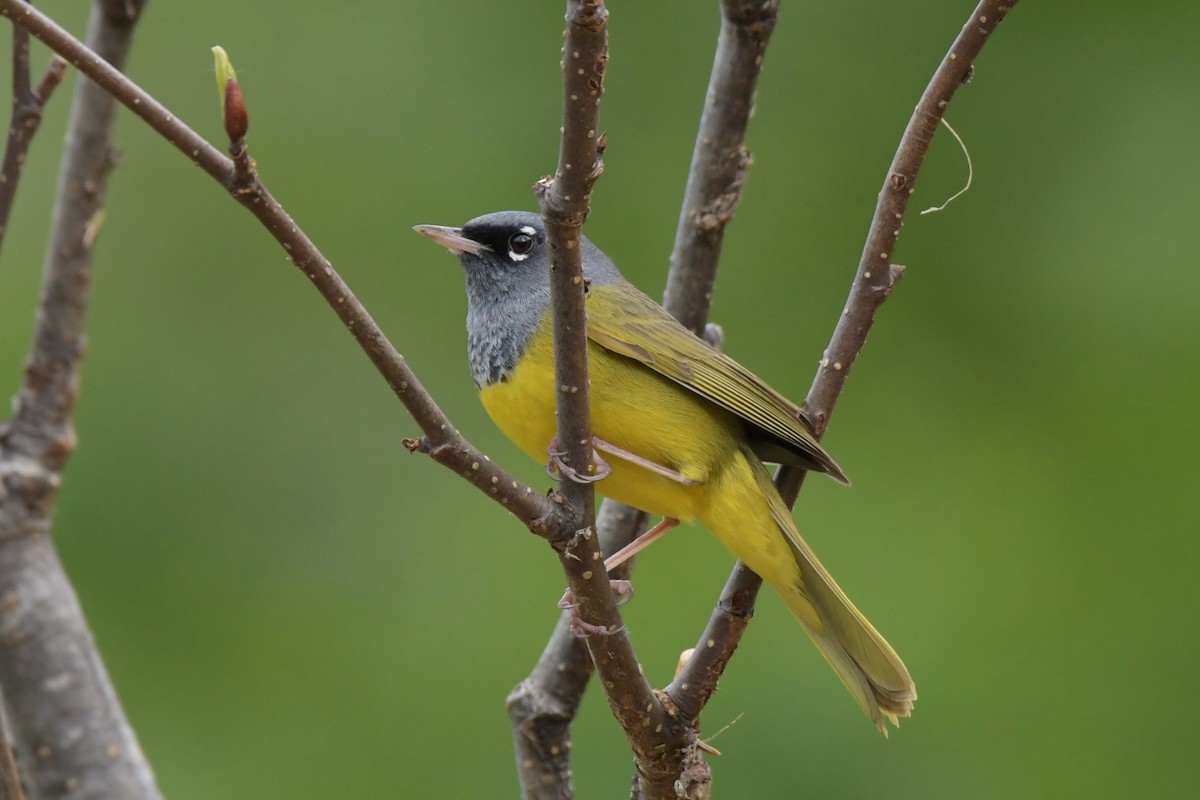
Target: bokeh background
x,y
292,606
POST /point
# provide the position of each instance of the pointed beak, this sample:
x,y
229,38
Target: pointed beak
x,y
451,238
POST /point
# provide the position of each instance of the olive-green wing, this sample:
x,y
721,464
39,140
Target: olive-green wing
x,y
624,320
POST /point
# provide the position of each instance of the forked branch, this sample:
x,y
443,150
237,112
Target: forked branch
x,y
27,104
70,732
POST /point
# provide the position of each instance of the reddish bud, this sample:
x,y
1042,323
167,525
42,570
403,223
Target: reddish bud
x,y
234,111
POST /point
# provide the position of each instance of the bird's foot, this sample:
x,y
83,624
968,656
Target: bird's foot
x,y
557,468
581,629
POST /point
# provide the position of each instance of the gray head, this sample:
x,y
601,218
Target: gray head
x,y
507,270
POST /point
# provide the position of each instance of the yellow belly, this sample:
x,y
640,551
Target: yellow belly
x,y
635,409
642,412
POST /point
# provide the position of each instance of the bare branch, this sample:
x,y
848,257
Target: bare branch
x,y
564,201
28,102
875,275
714,184
874,281
720,159
543,706
717,174
441,440
70,732
10,773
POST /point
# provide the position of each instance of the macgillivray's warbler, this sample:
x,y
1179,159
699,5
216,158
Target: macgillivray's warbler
x,y
683,428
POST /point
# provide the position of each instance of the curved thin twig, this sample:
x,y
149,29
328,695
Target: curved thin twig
x,y
441,440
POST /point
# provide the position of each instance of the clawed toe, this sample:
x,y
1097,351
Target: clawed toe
x,y
581,629
557,468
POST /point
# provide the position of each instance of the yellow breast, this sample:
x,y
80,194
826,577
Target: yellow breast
x,y
635,409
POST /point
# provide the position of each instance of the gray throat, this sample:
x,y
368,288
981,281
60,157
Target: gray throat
x,y
506,306
501,321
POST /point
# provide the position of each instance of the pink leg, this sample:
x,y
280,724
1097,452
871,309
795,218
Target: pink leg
x,y
557,465
624,589
645,463
639,544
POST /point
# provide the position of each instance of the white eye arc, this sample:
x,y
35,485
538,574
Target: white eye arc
x,y
520,244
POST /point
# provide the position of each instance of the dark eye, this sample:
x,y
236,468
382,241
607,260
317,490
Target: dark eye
x,y
520,244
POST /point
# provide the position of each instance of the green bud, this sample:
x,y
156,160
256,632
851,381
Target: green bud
x,y
233,105
225,71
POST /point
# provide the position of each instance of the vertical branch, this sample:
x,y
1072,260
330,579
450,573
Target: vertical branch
x,y
720,159
717,175
564,203
69,729
542,707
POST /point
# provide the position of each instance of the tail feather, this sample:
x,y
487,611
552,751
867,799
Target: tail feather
x,y
864,661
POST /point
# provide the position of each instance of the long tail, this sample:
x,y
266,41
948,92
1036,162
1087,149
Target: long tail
x,y
864,661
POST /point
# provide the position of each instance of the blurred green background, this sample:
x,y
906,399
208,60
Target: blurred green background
x,y
292,606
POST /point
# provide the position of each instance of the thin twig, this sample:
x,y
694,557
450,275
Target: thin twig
x,y
10,773
441,440
28,102
71,735
970,172
874,281
875,276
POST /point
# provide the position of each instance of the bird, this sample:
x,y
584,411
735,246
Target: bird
x,y
682,430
